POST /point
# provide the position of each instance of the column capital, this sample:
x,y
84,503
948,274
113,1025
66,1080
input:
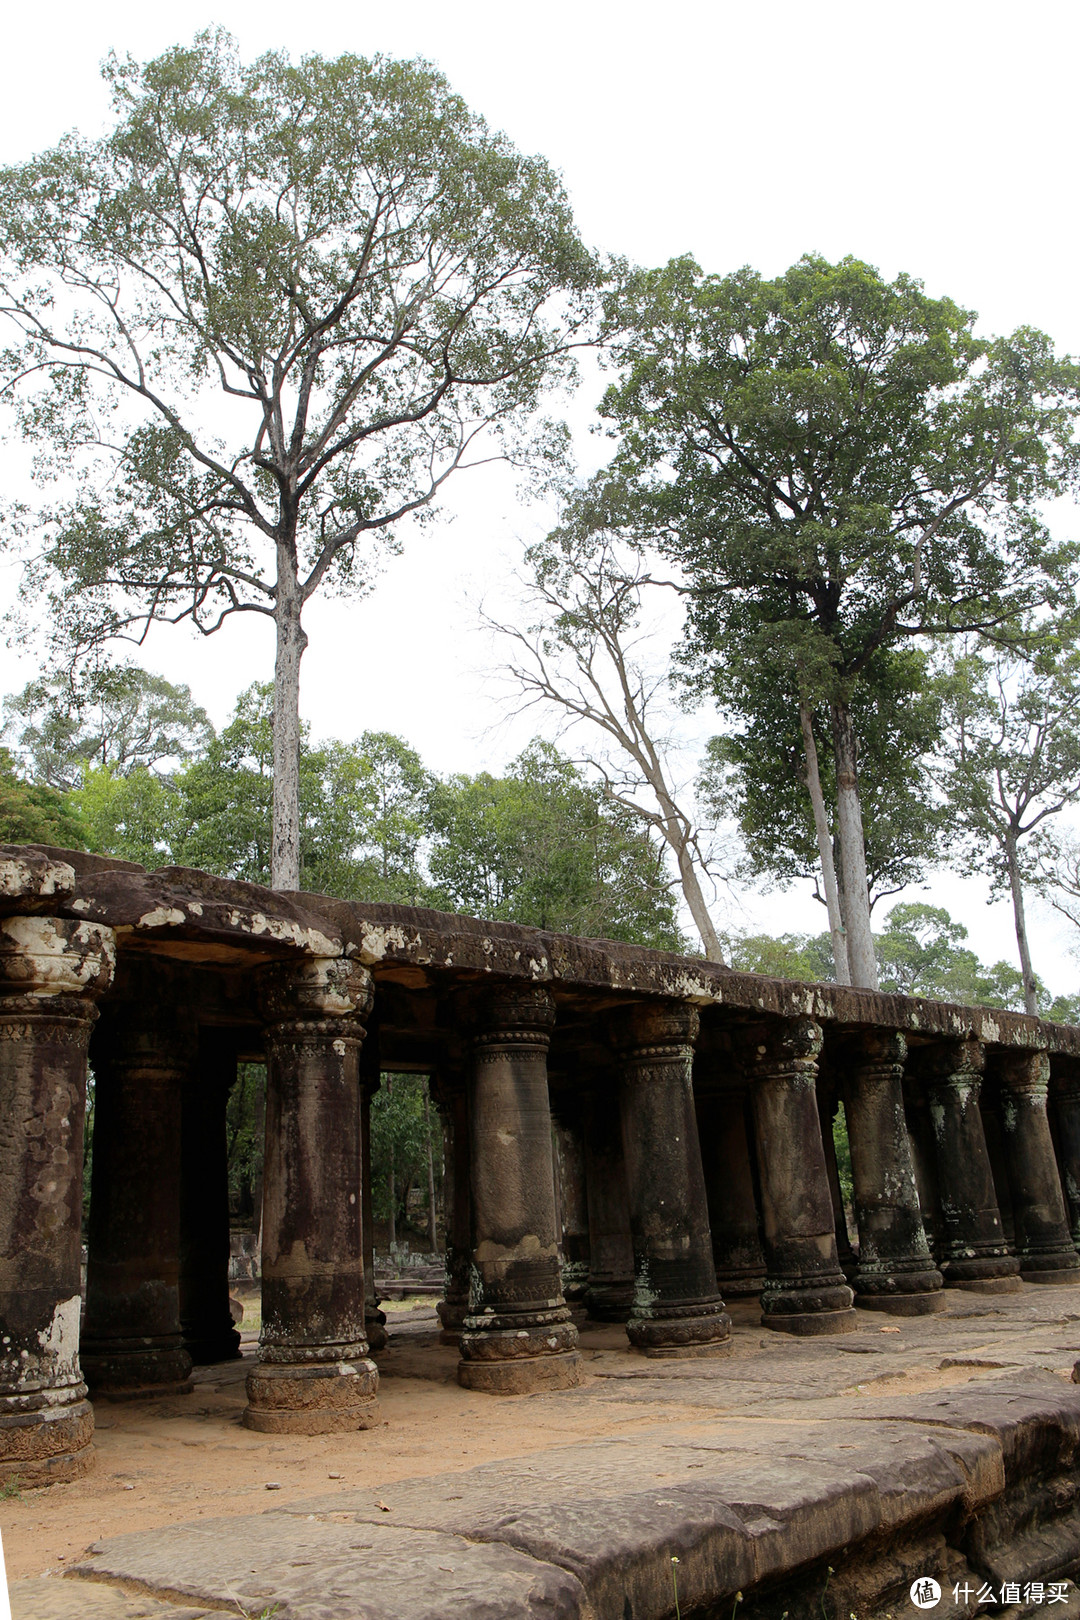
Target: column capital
x,y
950,1063
42,958
1023,1073
657,1029
515,1015
316,990
783,1048
876,1054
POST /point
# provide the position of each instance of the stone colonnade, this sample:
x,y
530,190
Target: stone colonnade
x,y
667,1162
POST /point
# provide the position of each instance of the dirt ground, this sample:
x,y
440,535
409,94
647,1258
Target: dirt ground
x,y
159,1462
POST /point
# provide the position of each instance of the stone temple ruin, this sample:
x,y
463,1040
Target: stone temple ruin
x,y
692,1108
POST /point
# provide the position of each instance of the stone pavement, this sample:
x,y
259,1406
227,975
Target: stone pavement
x,y
813,1479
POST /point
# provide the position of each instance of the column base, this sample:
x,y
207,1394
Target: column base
x,y
741,1284
1057,1263
452,1314
974,1268
610,1302
522,1375
1012,1284
809,1324
135,1369
1067,1278
47,1447
808,1306
312,1398
903,1304
687,1330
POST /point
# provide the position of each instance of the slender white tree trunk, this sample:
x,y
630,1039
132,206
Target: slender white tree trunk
x,y
433,1235
691,889
862,963
1016,888
291,642
825,850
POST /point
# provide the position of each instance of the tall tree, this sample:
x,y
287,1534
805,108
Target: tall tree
x,y
1011,764
262,321
582,656
838,465
118,716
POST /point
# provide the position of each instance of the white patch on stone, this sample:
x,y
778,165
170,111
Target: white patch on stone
x,y
162,917
60,1340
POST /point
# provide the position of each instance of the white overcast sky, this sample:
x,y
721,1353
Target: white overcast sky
x,y
937,138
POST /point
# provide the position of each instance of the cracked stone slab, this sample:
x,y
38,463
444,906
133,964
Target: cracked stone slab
x,y
319,1569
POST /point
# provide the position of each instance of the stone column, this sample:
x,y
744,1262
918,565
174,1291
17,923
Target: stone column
x,y
453,1308
205,1319
974,1251
610,1294
677,1310
1066,1104
518,1335
374,1318
50,971
314,1375
896,1272
1044,1244
805,1291
573,1209
142,1056
729,1186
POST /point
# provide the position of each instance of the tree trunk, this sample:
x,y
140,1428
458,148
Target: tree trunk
x,y
392,1223
433,1234
691,889
825,851
862,963
1031,1004
291,642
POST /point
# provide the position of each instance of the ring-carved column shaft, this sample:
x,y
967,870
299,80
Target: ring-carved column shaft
x,y
805,1291
1066,1103
205,1318
49,972
573,1209
677,1310
518,1335
1044,1244
974,1251
143,1055
453,1308
896,1271
314,1375
374,1317
729,1185
610,1295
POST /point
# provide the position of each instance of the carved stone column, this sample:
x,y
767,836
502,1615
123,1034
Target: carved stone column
x,y
974,1251
143,1055
205,1319
610,1294
374,1318
314,1375
573,1209
1065,1098
805,1291
1044,1244
453,1308
896,1272
677,1310
729,1185
518,1335
50,971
